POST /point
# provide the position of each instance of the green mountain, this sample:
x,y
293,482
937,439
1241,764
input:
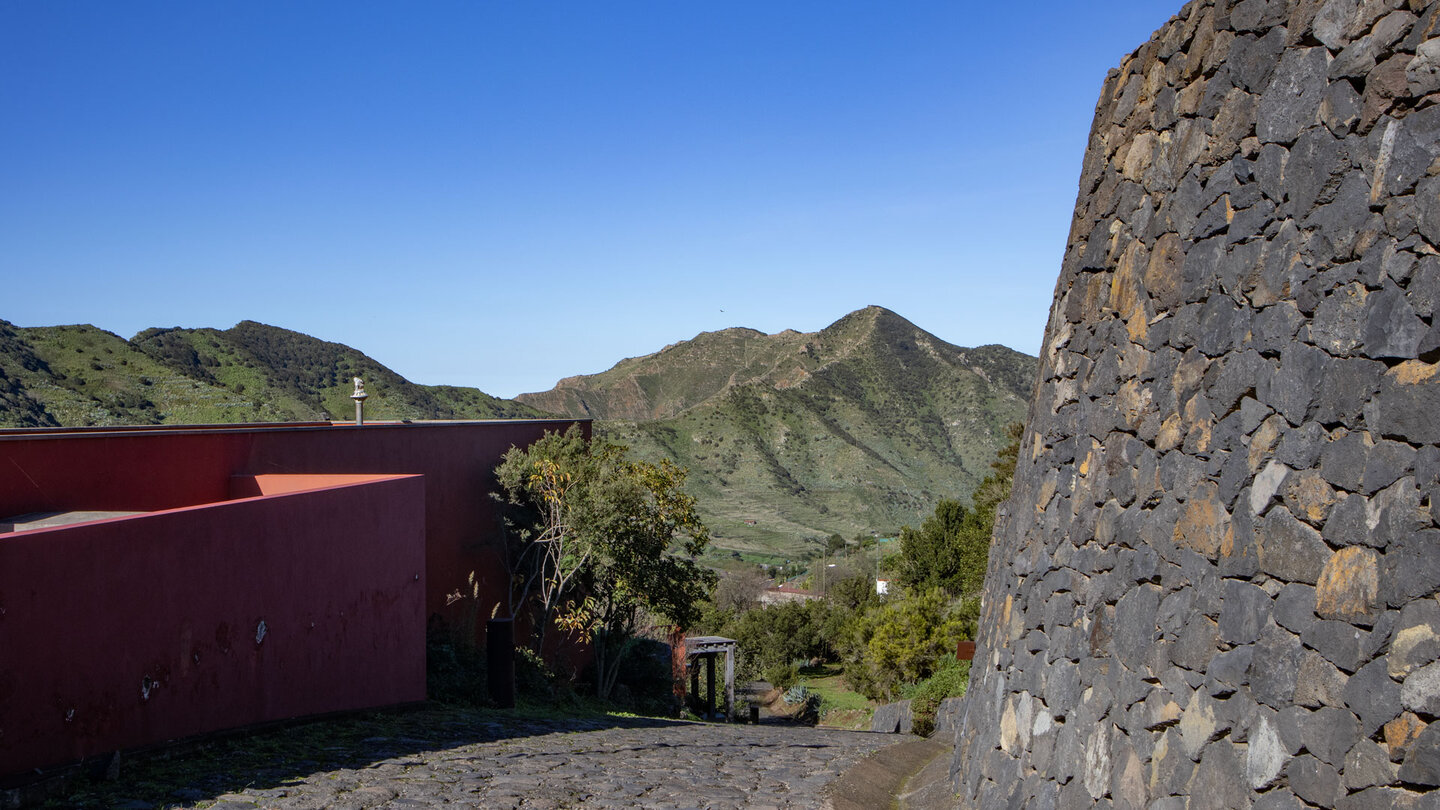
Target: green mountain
x,y
81,375
861,427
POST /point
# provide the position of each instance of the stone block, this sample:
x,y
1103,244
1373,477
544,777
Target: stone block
x,y
1265,755
1366,765
1300,448
1420,692
1349,385
1204,521
1292,99
1275,667
1341,643
1343,461
1416,641
1422,761
1338,325
1400,733
1392,330
1289,549
1319,683
1411,568
1199,725
1135,626
948,716
1386,798
1221,776
1373,697
1295,607
1313,780
1330,733
1387,462
1332,20
1422,73
1349,586
1279,799
1244,612
895,718
1308,497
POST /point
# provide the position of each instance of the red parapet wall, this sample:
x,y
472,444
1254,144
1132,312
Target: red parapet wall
x,y
137,630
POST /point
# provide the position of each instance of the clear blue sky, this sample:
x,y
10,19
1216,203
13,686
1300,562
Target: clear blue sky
x,y
500,194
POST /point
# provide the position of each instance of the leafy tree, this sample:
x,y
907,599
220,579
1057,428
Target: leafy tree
x,y
942,551
777,635
594,540
903,641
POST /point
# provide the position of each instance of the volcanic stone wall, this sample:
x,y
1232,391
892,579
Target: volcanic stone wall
x,y
1215,582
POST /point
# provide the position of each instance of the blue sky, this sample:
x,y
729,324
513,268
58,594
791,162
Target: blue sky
x,y
500,194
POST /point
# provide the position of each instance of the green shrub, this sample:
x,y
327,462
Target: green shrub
x,y
782,676
951,678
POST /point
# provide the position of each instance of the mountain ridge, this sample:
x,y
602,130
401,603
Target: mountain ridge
x,y
859,427
79,375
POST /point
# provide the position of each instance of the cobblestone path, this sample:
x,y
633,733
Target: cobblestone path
x,y
652,764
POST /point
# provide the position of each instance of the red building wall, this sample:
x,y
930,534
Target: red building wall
x,y
88,612
137,630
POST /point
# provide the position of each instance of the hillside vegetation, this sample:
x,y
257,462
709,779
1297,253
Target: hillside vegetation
x,y
861,427
81,375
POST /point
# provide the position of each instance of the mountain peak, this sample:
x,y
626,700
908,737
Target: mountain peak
x,y
686,374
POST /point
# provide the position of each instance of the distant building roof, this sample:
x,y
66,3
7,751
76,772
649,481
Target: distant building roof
x,y
785,593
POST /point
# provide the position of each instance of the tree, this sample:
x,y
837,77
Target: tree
x,y
545,554
595,542
935,555
777,635
739,590
903,642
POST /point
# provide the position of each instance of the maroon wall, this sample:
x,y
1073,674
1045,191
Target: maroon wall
x,y
145,469
137,630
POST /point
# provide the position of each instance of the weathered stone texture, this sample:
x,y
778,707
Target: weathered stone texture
x,y
1216,579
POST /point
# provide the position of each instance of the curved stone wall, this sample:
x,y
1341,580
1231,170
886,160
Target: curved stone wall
x,y
1215,584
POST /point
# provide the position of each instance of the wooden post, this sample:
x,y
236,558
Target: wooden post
x,y
710,692
500,661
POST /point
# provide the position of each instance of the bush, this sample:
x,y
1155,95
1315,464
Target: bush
x,y
904,640
782,676
951,679
454,670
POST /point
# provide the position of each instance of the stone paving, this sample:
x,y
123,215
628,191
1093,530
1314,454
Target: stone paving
x,y
650,764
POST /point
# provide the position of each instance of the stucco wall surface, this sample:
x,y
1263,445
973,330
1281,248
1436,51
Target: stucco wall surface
x,y
1215,581
154,627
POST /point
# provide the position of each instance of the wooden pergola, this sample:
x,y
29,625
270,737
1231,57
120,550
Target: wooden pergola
x,y
709,648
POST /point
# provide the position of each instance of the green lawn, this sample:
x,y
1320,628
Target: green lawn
x,y
839,705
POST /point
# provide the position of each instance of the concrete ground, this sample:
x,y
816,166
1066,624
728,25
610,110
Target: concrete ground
x,y
911,775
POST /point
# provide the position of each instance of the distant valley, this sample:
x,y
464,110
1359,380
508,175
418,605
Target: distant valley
x,y
857,428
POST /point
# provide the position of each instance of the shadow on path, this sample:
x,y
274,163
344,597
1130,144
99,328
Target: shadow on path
x,y
203,769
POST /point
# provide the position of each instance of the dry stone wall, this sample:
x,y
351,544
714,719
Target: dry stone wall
x,y
1215,584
